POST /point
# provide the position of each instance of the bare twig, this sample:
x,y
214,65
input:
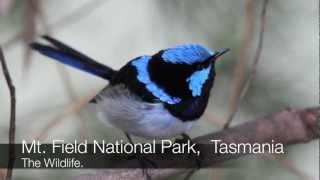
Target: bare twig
x,y
288,127
5,7
67,82
12,127
78,14
241,90
29,30
239,70
286,163
33,12
74,107
212,118
3,174
82,12
64,74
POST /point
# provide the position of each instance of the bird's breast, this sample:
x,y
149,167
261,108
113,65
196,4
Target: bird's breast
x,y
126,111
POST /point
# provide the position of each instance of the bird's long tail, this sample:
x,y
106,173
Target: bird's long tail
x,y
67,55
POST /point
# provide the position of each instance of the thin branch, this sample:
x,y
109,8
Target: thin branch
x,y
288,164
287,127
239,71
247,84
29,30
75,16
82,12
285,163
3,173
67,84
64,74
12,127
74,107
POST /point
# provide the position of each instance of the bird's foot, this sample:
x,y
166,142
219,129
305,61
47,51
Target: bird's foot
x,y
144,162
197,157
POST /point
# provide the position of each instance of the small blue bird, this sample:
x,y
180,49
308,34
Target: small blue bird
x,y
158,96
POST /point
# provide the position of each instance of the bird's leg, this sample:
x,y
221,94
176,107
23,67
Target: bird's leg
x,y
138,155
185,138
142,160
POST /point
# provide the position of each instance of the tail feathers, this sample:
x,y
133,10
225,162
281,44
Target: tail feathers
x,y
67,55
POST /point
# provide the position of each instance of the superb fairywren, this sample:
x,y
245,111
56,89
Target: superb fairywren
x,y
156,96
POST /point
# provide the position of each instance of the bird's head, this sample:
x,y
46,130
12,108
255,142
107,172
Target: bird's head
x,y
184,71
181,77
179,73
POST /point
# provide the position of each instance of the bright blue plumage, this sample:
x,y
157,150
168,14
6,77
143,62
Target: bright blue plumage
x,y
152,96
75,60
66,59
188,53
143,76
197,79
183,54
178,80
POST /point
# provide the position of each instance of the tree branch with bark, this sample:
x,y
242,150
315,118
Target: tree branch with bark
x,y
12,127
290,126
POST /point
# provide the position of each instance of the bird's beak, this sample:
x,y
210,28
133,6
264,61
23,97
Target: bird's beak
x,y
220,53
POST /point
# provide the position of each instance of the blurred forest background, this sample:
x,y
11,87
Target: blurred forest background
x,y
51,98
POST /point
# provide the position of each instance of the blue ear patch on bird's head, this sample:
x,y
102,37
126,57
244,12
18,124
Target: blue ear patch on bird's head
x,y
197,80
141,64
187,53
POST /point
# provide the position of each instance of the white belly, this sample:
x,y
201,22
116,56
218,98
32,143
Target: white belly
x,y
124,111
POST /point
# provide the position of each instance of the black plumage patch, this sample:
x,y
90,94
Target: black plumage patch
x,y
127,76
172,79
193,108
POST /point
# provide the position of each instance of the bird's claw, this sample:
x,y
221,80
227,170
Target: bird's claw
x,y
185,138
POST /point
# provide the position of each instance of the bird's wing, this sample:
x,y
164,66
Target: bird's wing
x,y
67,55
